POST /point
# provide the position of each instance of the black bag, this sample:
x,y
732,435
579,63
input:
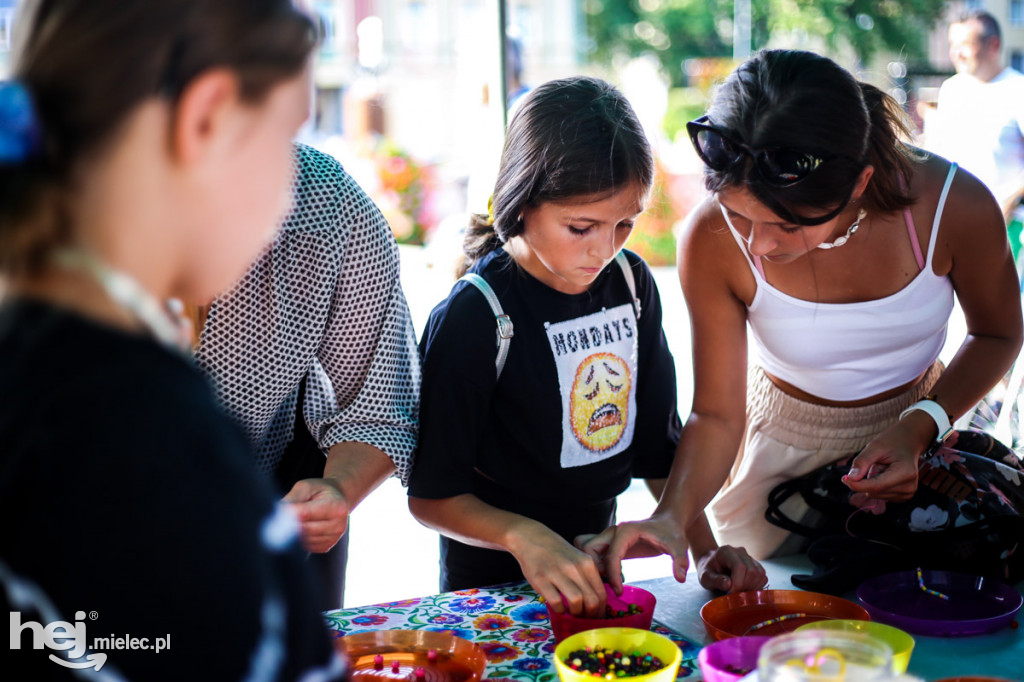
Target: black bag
x,y
966,515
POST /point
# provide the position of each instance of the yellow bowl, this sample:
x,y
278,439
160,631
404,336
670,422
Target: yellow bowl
x,y
627,640
900,642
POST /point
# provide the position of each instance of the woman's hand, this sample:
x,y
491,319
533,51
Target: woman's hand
x,y
886,469
564,576
650,537
730,569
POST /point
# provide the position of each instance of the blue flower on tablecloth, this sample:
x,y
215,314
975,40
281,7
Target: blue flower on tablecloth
x,y
454,632
531,635
529,665
512,598
493,622
472,604
549,647
530,613
370,620
446,619
498,651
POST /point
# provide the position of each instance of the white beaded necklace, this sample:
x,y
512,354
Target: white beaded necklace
x,y
131,296
849,233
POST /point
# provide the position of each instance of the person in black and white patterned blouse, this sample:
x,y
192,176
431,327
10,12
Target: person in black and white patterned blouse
x,y
321,312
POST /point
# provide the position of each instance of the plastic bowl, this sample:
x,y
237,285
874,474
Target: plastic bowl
x,y
974,605
565,624
773,612
825,656
728,660
453,659
899,641
627,640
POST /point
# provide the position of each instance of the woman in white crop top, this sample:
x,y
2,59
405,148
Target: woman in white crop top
x,y
842,248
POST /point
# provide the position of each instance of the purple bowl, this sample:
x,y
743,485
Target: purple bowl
x,y
728,660
976,605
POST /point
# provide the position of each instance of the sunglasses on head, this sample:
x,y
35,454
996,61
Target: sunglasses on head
x,y
775,167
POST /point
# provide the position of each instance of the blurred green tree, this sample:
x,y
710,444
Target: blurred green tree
x,y
678,30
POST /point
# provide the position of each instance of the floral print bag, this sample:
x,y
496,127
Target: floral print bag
x,y
967,513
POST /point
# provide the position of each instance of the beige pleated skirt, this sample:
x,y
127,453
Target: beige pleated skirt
x,y
785,438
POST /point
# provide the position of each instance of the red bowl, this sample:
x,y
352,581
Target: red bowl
x,y
565,624
773,612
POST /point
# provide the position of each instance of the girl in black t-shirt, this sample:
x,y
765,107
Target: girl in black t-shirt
x,y
513,468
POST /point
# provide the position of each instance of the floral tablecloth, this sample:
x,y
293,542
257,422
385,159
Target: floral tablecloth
x,y
509,622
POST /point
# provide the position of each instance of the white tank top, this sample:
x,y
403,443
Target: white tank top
x,y
851,351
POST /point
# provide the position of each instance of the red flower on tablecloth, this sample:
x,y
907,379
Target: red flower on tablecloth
x,y
472,604
493,622
531,635
514,598
496,651
369,620
472,590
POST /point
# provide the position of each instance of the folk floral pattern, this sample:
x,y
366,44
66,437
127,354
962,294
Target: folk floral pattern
x,y
509,622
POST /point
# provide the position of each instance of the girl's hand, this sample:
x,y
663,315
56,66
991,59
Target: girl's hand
x,y
650,537
564,576
730,569
886,469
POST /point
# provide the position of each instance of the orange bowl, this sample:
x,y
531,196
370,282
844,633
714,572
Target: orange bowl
x,y
396,654
773,612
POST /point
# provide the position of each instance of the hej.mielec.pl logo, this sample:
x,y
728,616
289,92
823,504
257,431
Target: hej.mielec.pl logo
x,y
72,639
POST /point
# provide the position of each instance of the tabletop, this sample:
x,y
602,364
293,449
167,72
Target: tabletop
x,y
511,625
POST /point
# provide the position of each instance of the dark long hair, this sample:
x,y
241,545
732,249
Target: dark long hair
x,y
88,64
568,138
805,102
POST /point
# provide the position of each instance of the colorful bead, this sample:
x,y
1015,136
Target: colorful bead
x,y
600,662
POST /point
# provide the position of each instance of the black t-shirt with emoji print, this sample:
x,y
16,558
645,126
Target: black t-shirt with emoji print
x,y
585,402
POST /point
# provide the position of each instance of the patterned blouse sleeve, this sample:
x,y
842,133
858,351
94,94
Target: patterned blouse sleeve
x,y
364,382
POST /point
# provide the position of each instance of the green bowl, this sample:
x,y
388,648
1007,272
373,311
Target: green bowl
x,y
900,642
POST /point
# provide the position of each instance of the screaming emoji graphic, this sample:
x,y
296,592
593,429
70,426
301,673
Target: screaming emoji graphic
x,y
599,401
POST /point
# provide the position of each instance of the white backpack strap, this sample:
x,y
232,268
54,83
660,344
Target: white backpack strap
x,y
505,330
627,272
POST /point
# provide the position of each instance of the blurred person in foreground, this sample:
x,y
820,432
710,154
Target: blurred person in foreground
x,y
144,155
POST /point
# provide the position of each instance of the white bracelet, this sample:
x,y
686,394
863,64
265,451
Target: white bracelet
x,y
934,411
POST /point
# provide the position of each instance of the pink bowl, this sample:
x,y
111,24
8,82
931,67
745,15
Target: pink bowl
x,y
565,624
728,660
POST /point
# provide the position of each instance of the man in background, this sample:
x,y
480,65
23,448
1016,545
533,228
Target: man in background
x,y
979,122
